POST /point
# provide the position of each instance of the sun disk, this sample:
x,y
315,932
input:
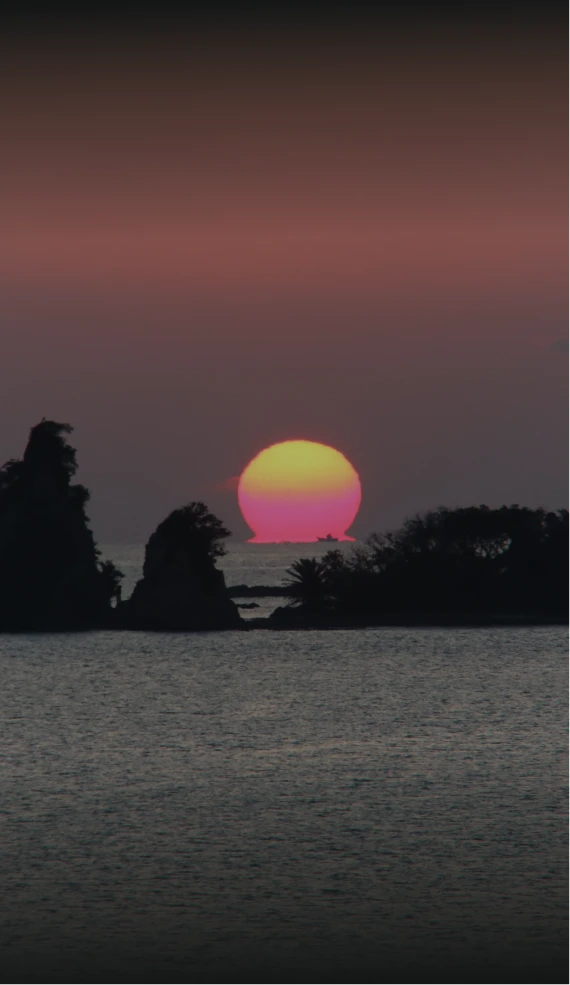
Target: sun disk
x,y
299,491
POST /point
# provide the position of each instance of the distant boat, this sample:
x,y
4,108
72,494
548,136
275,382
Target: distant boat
x,y
329,539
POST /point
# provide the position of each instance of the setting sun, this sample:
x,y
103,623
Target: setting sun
x,y
299,491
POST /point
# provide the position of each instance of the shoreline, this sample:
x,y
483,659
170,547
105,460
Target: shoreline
x,y
406,622
311,625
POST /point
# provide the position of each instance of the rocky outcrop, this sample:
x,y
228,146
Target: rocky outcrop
x,y
181,587
260,591
51,577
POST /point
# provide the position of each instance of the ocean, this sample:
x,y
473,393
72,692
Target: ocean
x,y
361,805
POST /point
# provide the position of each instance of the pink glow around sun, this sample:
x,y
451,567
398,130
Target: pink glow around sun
x,y
299,491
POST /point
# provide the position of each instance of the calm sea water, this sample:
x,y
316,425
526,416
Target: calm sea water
x,y
371,805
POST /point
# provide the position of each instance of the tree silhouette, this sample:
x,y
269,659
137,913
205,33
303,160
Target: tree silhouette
x,y
111,579
307,583
195,531
469,561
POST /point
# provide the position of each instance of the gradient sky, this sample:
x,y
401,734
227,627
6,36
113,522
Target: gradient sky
x,y
217,238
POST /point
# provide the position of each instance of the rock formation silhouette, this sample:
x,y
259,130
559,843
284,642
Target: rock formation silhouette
x,y
51,575
181,588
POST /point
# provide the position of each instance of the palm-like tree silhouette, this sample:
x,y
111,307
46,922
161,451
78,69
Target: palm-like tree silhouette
x,y
307,583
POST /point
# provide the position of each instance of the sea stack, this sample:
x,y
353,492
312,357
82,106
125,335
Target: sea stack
x,y
181,588
51,575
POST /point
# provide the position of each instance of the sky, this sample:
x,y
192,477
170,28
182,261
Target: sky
x,y
219,235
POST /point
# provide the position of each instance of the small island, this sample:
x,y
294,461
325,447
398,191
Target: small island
x,y
470,566
181,587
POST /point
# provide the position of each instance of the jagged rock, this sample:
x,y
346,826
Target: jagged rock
x,y
260,591
181,588
51,577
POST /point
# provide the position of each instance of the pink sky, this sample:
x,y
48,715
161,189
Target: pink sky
x,y
359,244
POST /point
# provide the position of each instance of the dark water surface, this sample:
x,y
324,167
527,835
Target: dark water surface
x,y
365,805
